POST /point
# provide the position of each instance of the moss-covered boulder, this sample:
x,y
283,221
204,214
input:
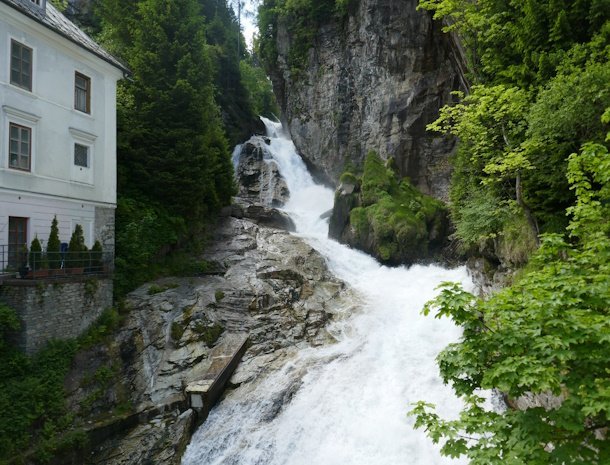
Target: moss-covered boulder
x,y
387,217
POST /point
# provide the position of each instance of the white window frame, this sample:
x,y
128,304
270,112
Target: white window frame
x,y
88,155
88,96
9,46
21,118
81,174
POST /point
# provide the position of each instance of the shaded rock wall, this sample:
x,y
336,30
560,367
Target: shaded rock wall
x,y
372,83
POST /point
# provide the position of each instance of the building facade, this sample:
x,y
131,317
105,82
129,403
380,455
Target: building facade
x,y
57,129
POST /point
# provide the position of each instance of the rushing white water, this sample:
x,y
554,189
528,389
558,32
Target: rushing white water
x,y
347,403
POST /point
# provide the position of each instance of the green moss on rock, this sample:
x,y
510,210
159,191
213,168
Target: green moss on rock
x,y
393,220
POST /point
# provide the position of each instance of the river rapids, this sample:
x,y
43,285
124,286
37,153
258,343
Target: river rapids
x,y
345,403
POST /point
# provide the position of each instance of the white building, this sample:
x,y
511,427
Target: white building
x,y
57,128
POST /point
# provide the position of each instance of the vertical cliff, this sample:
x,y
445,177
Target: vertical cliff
x,y
372,79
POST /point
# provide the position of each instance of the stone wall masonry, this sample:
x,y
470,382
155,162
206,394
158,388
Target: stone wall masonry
x,y
55,309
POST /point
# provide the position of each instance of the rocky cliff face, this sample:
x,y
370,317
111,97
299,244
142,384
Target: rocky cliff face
x,y
372,82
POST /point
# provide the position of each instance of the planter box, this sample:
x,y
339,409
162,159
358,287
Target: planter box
x,y
75,270
38,274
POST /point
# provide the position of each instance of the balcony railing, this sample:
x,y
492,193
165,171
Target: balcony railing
x,y
15,261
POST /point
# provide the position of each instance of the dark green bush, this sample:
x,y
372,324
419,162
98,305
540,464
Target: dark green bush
x,y
53,246
77,250
36,256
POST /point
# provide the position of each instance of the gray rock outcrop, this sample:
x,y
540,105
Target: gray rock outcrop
x,y
259,179
372,82
266,283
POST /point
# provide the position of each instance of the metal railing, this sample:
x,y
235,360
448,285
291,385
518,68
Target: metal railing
x,y
16,261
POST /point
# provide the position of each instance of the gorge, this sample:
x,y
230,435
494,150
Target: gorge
x,y
510,173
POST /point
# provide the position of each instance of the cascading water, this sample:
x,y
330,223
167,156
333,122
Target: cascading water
x,y
346,403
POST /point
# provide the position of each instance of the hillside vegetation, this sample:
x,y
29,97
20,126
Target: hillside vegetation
x,y
191,97
532,166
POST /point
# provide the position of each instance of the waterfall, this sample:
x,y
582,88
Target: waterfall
x,y
346,403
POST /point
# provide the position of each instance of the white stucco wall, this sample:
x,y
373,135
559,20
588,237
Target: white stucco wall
x,y
55,186
49,111
40,210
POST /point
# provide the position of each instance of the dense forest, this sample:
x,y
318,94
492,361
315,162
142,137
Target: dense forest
x,y
195,91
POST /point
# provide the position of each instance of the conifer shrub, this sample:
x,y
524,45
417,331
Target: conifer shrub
x,y
53,246
95,257
36,256
77,250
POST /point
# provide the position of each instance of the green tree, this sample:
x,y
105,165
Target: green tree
x,y
53,246
539,89
77,250
35,254
175,152
546,335
259,89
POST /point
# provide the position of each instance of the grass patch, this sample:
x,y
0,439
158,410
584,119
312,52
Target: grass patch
x,y
177,330
156,289
209,334
105,325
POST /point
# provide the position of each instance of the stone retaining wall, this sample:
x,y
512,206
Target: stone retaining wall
x,y
55,309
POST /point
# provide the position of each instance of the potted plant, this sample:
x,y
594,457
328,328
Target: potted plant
x,y
77,252
23,262
95,258
36,259
53,247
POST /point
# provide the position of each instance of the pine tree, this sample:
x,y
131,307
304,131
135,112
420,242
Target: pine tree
x,y
176,153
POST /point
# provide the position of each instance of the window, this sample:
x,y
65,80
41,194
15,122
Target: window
x,y
21,65
17,240
81,155
82,93
20,147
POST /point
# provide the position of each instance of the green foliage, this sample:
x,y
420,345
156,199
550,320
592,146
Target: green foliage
x,y
540,71
394,219
36,256
104,326
241,88
143,231
302,18
53,246
156,289
186,95
547,334
519,43
177,330
96,256
174,149
77,250
349,178
259,89
61,5
209,334
575,98
31,393
219,295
